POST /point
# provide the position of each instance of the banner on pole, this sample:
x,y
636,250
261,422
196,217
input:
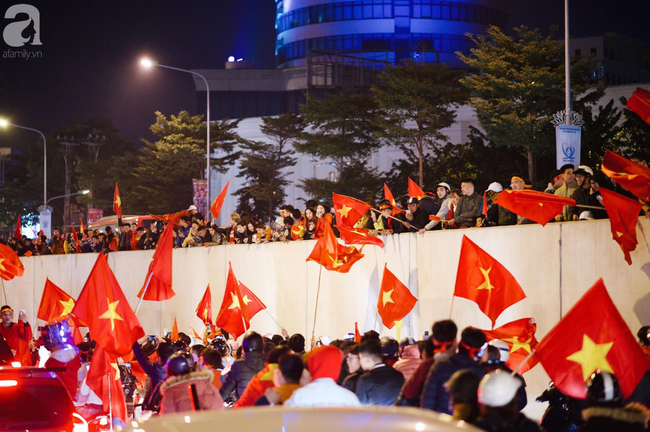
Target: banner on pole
x,y
567,141
200,198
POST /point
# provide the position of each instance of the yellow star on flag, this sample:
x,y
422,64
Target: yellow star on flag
x,y
117,371
2,267
516,344
67,306
486,284
245,299
344,211
235,302
592,356
386,297
111,313
205,314
360,233
337,263
619,234
118,201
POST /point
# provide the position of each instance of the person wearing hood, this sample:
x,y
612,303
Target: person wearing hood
x,y
324,366
245,368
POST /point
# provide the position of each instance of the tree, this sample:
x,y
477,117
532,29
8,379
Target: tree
x,y
520,85
418,101
355,179
264,166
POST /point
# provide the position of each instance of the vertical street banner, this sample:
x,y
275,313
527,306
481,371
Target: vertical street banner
x,y
200,195
567,141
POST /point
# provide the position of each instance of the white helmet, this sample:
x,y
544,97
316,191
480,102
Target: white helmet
x,y
498,388
504,349
444,185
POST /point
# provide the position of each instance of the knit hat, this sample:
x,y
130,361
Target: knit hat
x,y
325,362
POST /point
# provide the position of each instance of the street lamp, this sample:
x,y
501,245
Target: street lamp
x,y
81,192
147,63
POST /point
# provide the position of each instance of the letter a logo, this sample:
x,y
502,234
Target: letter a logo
x,y
26,27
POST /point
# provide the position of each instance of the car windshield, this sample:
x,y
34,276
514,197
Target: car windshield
x,y
26,406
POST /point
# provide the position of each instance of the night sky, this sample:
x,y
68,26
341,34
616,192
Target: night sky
x,y
91,51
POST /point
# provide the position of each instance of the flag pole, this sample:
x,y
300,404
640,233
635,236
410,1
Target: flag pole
x,y
313,329
144,291
532,352
451,308
376,316
110,402
4,291
276,321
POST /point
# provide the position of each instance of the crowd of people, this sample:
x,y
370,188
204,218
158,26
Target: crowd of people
x,y
464,377
444,208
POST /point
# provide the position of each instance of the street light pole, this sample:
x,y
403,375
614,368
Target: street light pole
x,y
83,192
567,63
150,63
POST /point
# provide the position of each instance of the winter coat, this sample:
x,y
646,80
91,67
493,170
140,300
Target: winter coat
x,y
434,395
176,395
468,209
581,196
628,419
380,386
566,190
409,362
241,372
257,386
443,211
350,381
67,358
154,370
496,423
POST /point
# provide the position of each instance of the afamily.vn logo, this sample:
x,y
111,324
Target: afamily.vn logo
x,y
23,31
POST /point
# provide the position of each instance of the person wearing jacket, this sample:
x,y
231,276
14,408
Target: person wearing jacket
x,y
176,396
381,383
434,395
444,200
469,206
57,340
245,368
566,190
155,370
263,379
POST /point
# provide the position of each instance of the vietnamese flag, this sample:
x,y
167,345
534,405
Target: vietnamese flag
x,y
357,334
76,240
483,280
252,304
639,103
360,236
83,228
175,335
57,305
10,264
395,300
117,202
158,281
231,316
17,234
104,377
520,337
348,210
103,306
332,255
592,336
414,190
388,195
215,208
171,217
536,206
630,175
623,216
204,309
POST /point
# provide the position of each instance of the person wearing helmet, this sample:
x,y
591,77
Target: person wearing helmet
x,y
606,411
495,357
263,380
57,339
245,368
444,202
176,393
497,395
389,350
381,383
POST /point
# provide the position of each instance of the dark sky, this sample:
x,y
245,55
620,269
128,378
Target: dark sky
x,y
90,53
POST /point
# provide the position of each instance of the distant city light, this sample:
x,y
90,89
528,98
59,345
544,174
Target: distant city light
x,y
231,59
240,59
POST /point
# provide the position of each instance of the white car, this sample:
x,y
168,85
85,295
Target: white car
x,y
281,419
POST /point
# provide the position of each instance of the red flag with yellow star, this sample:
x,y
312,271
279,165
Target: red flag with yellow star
x,y
520,337
358,236
215,208
483,280
395,300
623,216
348,210
592,336
159,274
204,309
639,103
117,202
103,306
388,195
414,190
252,304
10,264
232,314
536,206
104,376
332,255
632,176
56,305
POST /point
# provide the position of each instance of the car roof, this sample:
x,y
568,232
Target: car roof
x,y
30,372
375,419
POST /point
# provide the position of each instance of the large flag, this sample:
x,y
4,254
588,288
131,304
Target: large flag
x,y
332,255
592,336
10,264
215,208
117,202
57,305
630,175
640,103
414,190
536,206
348,210
623,216
388,195
103,306
358,236
204,309
17,234
520,337
159,275
232,315
171,217
395,300
485,281
104,377
251,302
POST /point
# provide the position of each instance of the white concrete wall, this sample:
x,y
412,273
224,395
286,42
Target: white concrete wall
x,y
555,265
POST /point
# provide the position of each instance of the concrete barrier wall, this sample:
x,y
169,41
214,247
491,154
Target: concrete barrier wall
x,y
555,265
